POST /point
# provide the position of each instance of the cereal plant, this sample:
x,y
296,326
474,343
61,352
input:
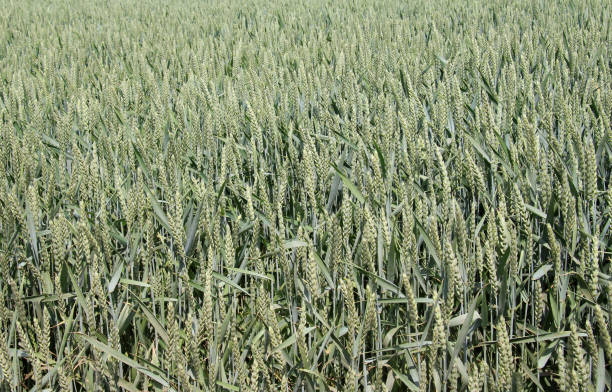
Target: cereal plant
x,y
305,196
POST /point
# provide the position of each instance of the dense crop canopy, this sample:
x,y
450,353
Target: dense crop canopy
x,y
305,196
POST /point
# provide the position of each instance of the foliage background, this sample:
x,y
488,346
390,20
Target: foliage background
x,y
325,196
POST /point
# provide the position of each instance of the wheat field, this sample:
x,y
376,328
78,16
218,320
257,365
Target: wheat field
x,y
305,196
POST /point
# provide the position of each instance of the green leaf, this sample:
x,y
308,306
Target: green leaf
x,y
224,279
461,336
349,184
193,229
247,272
126,360
131,282
157,325
428,242
227,386
543,337
159,212
382,282
77,288
403,378
536,211
541,271
32,232
115,279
